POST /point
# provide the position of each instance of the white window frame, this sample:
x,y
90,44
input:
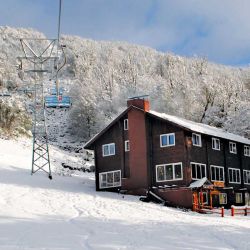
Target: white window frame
x,y
234,147
224,194
216,142
247,150
241,198
196,165
197,135
125,124
115,184
108,145
127,146
234,170
213,166
169,164
167,135
247,173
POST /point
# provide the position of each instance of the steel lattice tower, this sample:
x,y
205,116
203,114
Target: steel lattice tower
x,y
38,62
42,57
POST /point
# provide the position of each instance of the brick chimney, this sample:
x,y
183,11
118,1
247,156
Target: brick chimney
x,y
141,102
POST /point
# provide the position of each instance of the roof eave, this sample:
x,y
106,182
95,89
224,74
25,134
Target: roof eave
x,y
90,144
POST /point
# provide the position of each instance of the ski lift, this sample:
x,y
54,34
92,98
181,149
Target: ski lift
x,y
55,101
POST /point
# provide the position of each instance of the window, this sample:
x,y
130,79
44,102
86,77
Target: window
x,y
246,174
204,197
247,150
108,149
223,198
127,146
125,123
110,179
238,198
247,199
234,175
215,144
198,170
232,147
167,140
217,173
196,139
169,172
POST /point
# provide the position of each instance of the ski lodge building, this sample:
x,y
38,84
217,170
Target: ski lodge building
x,y
144,151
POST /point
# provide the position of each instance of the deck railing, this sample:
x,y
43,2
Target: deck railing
x,y
240,210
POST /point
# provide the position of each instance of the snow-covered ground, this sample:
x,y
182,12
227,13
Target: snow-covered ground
x,y
66,213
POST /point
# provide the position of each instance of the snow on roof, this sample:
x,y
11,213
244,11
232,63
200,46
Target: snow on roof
x,y
198,183
201,128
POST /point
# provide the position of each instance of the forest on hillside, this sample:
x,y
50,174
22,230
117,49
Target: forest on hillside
x,y
101,76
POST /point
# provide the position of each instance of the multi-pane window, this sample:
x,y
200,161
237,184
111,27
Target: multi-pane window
x,y
238,198
127,146
247,150
223,198
232,147
108,149
215,144
234,175
110,179
217,173
198,170
167,140
125,123
169,172
246,174
196,139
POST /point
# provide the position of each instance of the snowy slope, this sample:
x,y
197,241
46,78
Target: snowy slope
x,y
67,213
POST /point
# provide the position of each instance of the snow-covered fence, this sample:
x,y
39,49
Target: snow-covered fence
x,y
240,210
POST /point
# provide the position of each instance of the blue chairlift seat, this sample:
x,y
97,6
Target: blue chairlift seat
x,y
55,102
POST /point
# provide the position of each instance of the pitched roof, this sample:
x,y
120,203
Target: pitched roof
x,y
184,123
98,135
201,182
200,127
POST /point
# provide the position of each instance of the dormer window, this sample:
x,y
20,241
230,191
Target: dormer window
x,y
125,123
196,139
232,147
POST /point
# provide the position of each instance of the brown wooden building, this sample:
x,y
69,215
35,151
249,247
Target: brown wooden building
x,y
145,150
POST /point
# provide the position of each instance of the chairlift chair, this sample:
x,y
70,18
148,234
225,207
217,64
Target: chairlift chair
x,y
55,101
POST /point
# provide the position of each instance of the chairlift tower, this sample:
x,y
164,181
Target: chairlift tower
x,y
38,65
41,58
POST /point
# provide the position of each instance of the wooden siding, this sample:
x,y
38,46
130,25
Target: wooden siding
x,y
115,134
166,155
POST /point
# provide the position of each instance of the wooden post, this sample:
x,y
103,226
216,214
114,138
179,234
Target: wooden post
x,y
201,199
222,212
232,210
211,200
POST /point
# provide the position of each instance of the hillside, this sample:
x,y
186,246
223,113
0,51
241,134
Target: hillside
x,y
100,76
67,213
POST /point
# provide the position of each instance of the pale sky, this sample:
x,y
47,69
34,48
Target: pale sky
x,y
216,29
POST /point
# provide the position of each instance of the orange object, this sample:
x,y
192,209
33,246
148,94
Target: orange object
x,y
219,184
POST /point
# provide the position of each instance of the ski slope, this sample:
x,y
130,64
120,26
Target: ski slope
x,y
66,213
